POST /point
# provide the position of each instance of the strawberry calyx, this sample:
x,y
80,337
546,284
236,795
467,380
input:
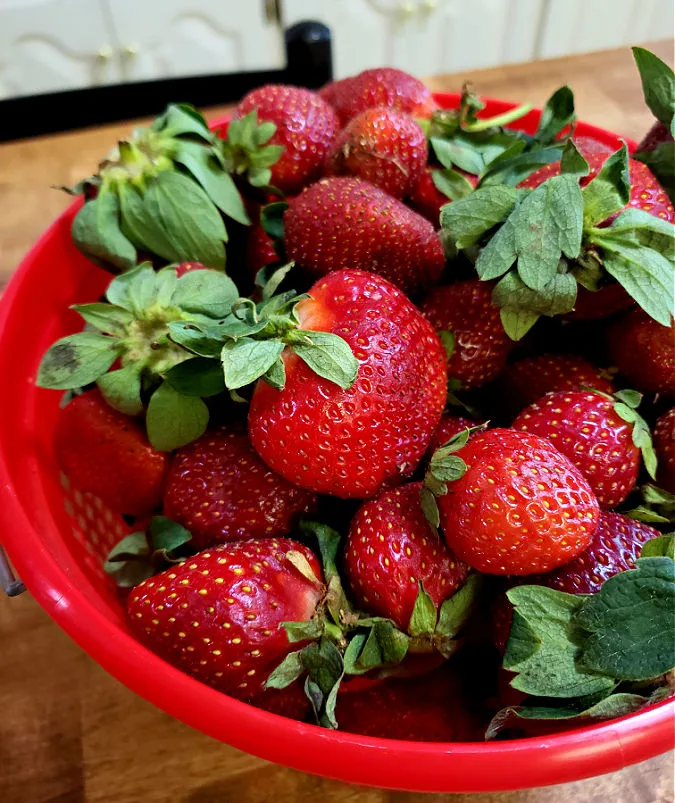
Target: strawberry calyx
x,y
246,152
143,553
657,506
251,340
541,243
130,333
166,190
626,403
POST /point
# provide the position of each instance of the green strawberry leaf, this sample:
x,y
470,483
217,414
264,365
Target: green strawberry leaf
x,y
288,671
661,547
455,612
658,507
448,340
644,273
631,622
205,292
218,185
304,630
173,420
199,376
424,615
429,504
658,84
608,191
513,166
545,645
122,389
451,183
276,375
138,223
517,321
384,645
649,230
457,154
270,277
557,114
179,119
191,220
272,219
167,535
107,318
572,162
468,219
76,360
328,355
134,290
610,707
246,360
325,669
97,234
196,338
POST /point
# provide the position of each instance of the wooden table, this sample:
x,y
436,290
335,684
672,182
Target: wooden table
x,y
69,733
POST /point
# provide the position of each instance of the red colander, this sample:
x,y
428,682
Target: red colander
x,y
57,539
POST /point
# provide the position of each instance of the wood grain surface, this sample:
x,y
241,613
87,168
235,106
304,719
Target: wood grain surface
x,y
69,733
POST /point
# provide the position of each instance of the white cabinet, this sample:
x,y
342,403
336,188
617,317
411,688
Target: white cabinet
x,y
54,45
50,45
175,38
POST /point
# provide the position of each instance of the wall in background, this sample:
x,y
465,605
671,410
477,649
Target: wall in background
x,y
55,45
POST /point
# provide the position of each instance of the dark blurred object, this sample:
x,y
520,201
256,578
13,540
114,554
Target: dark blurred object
x,y
308,63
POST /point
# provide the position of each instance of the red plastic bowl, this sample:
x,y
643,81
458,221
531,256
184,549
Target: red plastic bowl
x,y
57,548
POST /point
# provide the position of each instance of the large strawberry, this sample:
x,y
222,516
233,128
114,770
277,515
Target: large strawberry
x,y
218,615
525,381
509,503
664,445
644,352
391,549
383,146
346,222
220,490
480,344
305,127
350,441
570,224
601,435
383,86
428,709
107,453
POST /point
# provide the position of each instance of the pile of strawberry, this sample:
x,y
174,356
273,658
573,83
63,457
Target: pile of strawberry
x,y
376,386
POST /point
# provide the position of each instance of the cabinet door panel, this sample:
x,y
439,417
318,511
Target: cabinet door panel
x,y
182,37
53,45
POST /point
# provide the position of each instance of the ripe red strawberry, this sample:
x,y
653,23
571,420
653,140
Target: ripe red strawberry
x,y
350,443
481,344
448,426
606,301
383,146
306,126
220,490
344,222
644,352
585,427
427,709
383,86
521,507
656,135
218,615
427,199
525,381
615,546
645,191
260,250
391,549
664,445
107,453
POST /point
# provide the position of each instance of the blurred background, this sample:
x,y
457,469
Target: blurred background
x,y
214,50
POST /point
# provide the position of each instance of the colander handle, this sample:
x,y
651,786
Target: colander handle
x,y
12,587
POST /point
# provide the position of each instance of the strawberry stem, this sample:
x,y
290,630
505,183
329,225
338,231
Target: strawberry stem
x,y
499,119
